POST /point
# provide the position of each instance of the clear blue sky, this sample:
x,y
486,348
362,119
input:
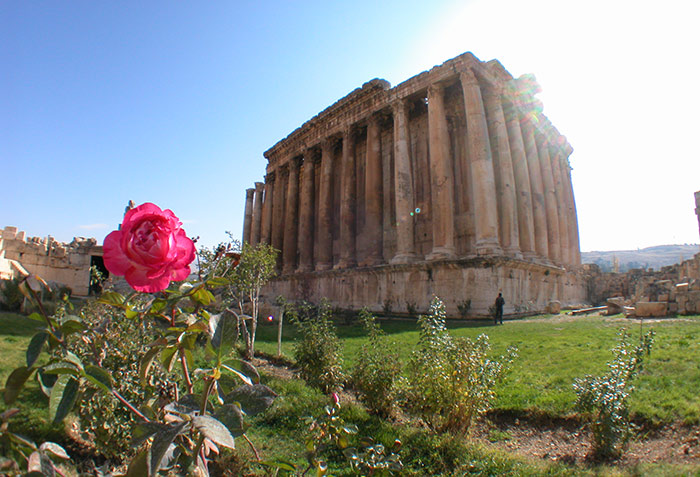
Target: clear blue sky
x,y
175,102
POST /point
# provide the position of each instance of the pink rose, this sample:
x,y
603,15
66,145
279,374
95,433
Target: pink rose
x,y
150,250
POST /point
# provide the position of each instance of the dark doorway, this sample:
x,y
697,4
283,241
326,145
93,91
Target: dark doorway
x,y
98,274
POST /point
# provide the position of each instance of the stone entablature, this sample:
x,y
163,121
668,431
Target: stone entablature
x,y
455,163
59,262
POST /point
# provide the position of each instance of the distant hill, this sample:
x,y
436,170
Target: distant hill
x,y
650,257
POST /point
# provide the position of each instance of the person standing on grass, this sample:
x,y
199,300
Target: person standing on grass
x,y
499,309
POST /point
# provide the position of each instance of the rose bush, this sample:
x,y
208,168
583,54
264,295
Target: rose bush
x,y
150,250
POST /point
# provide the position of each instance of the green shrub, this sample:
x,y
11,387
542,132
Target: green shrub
x,y
450,381
377,368
11,297
318,352
606,397
116,344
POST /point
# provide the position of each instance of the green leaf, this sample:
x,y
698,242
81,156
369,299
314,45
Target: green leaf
x,y
139,465
158,305
203,296
40,462
278,464
167,357
253,399
243,367
131,314
62,367
187,404
46,381
63,396
72,358
161,442
55,449
214,430
217,282
99,376
37,317
198,326
146,362
72,324
223,332
144,430
230,415
15,382
35,347
111,298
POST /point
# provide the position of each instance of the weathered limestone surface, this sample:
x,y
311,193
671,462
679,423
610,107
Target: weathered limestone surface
x,y
64,263
417,188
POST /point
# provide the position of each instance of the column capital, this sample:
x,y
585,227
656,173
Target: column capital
x,y
435,88
259,186
249,192
467,76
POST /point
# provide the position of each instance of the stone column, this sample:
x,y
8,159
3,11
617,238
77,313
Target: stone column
x,y
562,207
347,202
573,217
324,256
550,200
277,229
373,193
266,226
697,207
248,216
291,219
257,213
483,182
526,228
306,215
403,183
441,177
503,172
539,217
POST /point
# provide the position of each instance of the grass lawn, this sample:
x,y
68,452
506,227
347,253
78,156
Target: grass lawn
x,y
553,351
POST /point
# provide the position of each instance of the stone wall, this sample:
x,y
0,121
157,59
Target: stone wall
x,y
63,263
452,169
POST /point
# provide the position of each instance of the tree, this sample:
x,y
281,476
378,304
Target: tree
x,y
255,269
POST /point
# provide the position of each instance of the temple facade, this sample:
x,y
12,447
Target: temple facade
x,y
452,183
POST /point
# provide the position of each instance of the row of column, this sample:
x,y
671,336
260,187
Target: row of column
x,y
522,195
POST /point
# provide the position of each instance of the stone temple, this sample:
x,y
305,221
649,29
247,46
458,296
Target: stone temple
x,y
452,183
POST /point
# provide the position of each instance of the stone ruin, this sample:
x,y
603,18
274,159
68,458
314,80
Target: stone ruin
x,y
451,183
674,289
56,262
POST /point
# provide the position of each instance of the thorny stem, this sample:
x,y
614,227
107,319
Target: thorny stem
x,y
255,451
185,371
129,405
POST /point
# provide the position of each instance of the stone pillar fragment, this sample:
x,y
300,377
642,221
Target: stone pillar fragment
x,y
257,213
373,193
480,160
539,216
324,256
266,225
248,215
289,258
347,202
403,180
441,177
526,228
550,200
503,168
306,215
